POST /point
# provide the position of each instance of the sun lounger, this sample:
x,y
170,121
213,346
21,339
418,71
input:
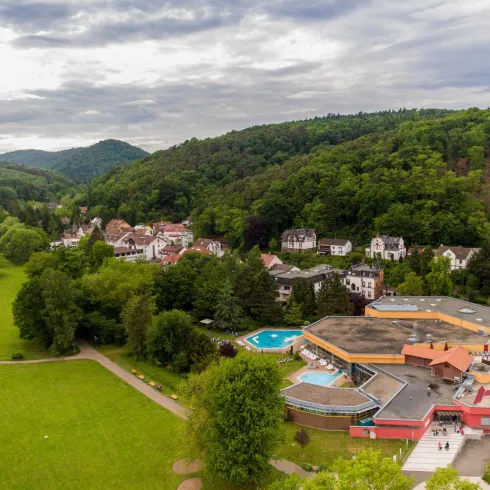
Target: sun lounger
x,y
329,366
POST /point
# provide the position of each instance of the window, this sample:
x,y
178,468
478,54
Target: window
x,y
369,294
363,284
369,284
347,282
485,421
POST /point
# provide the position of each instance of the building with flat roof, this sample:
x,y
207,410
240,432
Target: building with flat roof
x,y
411,366
456,311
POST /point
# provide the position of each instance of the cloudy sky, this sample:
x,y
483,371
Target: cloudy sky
x,y
157,72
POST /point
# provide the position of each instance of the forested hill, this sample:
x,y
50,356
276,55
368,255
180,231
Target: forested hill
x,y
419,174
21,183
79,164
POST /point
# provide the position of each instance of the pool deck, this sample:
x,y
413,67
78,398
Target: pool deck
x,y
274,350
317,368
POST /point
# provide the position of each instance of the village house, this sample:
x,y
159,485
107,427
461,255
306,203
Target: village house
x,y
270,260
298,240
213,246
172,250
386,247
174,233
188,221
83,211
459,256
143,230
65,221
118,225
149,245
364,279
115,239
285,280
71,238
128,254
334,246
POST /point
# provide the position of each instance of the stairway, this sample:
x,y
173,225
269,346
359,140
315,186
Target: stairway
x,y
427,457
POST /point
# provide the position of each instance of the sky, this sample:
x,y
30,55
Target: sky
x,y
157,72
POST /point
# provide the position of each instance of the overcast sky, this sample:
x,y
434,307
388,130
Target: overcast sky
x,y
156,72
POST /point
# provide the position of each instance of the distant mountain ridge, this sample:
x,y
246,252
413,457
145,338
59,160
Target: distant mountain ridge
x,y
79,164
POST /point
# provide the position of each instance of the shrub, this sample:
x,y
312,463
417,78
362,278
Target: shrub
x,y
17,356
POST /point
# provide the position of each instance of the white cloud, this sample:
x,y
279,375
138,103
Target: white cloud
x,y
156,73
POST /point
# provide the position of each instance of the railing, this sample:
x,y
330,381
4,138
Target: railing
x,y
330,408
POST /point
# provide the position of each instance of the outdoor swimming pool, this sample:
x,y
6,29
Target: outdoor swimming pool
x,y
274,339
320,379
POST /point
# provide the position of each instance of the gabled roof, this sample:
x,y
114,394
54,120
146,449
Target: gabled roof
x,y
300,234
171,259
198,249
333,241
203,242
268,258
457,357
423,353
461,253
391,242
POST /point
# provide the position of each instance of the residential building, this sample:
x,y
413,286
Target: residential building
x,y
115,239
270,260
284,280
128,254
386,247
72,237
83,211
334,246
188,221
200,250
298,240
172,250
174,234
65,221
150,245
214,246
364,279
118,225
459,256
143,230
168,261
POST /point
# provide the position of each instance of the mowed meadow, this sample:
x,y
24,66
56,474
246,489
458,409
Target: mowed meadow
x,y
11,280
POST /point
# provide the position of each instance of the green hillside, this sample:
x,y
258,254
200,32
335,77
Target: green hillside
x,y
21,183
421,174
79,164
37,158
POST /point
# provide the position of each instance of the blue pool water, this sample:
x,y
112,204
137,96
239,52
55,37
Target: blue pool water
x,y
274,339
320,379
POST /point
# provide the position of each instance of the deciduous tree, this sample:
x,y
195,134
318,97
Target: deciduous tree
x,y
237,416
413,285
333,298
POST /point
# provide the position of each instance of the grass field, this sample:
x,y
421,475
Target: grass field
x,y
101,432
326,446
11,280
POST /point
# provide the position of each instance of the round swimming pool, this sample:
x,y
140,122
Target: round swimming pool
x,y
319,378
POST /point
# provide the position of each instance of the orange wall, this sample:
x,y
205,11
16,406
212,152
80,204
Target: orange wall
x,y
432,315
359,358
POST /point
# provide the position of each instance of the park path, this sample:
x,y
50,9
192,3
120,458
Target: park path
x,y
88,352
287,467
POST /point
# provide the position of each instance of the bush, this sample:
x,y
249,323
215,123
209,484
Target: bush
x,y
17,356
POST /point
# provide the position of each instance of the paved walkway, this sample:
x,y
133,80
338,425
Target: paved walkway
x,y
473,459
427,457
287,467
88,352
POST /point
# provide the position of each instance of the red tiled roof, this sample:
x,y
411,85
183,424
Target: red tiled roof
x,y
171,259
415,351
201,250
268,258
457,357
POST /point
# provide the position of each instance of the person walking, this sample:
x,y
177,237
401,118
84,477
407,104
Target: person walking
x,y
439,445
447,446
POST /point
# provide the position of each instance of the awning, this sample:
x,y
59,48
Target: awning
x,y
450,414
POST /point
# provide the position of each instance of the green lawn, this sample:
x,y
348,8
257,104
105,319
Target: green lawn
x,y
101,432
170,381
11,280
326,446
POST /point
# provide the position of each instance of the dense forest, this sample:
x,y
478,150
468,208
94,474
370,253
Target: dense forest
x,y
421,174
79,164
19,183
